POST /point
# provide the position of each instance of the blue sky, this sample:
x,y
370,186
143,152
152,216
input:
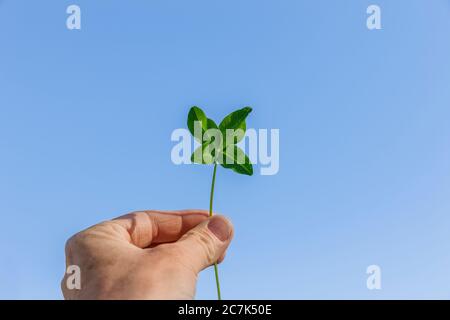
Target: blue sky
x,y
86,118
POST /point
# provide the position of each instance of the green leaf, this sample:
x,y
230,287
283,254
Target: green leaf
x,y
236,122
208,152
211,124
197,115
235,159
202,155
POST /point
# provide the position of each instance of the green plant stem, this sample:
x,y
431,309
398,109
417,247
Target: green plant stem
x,y
211,198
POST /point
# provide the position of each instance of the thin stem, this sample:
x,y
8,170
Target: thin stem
x,y
211,195
216,272
211,198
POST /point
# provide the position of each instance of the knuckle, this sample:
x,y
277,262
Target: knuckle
x,y
82,239
75,241
204,241
70,244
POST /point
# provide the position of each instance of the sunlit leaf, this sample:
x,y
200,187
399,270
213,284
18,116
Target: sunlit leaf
x,y
235,121
235,159
196,116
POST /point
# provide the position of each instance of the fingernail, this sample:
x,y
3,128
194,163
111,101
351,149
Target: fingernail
x,y
220,228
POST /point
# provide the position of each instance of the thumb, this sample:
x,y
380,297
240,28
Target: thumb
x,y
206,243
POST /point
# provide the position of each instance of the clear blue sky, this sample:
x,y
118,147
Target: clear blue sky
x,y
86,118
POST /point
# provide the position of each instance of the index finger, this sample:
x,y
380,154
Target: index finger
x,y
149,227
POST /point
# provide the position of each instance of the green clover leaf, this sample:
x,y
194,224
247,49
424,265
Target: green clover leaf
x,y
235,159
197,116
233,125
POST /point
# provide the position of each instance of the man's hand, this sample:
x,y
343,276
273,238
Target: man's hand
x,y
146,255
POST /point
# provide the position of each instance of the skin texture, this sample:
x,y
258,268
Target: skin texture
x,y
146,255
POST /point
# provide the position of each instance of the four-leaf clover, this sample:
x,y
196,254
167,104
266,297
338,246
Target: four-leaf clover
x,y
218,143
218,146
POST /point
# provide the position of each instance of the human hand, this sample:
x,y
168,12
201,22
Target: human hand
x,y
146,255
